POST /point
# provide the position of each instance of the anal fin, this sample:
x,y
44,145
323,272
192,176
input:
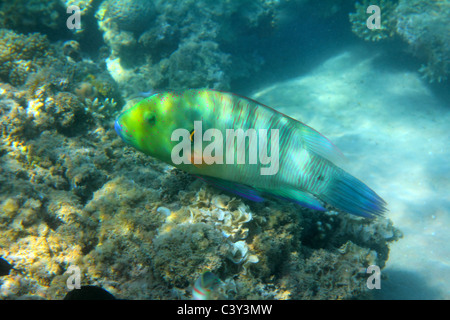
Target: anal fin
x,y
290,194
234,187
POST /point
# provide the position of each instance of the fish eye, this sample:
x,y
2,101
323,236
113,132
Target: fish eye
x,y
151,120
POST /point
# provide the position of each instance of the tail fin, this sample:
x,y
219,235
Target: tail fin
x,y
347,193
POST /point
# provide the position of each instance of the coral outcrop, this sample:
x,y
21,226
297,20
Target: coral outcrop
x,y
388,20
179,46
127,15
422,24
19,55
34,16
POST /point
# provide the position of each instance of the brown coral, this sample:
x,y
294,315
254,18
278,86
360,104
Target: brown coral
x,y
19,54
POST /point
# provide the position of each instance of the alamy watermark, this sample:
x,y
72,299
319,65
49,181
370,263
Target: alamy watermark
x,y
374,280
374,21
74,281
74,21
213,152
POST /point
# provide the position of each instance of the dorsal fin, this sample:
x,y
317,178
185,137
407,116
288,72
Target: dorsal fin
x,y
314,140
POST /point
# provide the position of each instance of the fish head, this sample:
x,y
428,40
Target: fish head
x,y
147,126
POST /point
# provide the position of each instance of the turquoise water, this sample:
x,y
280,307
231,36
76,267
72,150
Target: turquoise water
x,y
75,198
394,132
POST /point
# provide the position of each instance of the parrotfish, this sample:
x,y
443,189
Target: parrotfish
x,y
203,286
247,148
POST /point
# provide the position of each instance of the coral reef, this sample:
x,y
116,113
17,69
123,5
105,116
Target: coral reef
x,y
85,5
127,15
72,194
424,25
388,20
72,50
179,46
130,242
19,55
201,211
420,23
34,16
201,242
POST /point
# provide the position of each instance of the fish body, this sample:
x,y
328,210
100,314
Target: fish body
x,y
277,155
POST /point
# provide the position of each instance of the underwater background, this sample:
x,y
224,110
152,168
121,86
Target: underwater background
x,y
72,194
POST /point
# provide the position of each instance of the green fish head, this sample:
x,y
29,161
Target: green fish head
x,y
147,126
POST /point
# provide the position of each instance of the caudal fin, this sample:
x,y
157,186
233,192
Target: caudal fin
x,y
347,193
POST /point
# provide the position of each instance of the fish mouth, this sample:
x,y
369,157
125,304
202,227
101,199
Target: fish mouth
x,y
122,134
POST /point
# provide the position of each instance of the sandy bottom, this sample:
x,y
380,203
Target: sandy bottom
x,y
395,134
